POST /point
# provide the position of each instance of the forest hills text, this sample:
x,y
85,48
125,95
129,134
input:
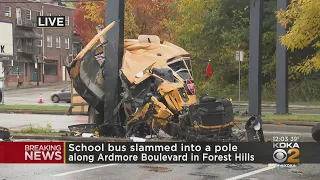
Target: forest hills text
x,y
176,147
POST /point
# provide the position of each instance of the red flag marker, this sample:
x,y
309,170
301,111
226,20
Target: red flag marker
x,y
209,70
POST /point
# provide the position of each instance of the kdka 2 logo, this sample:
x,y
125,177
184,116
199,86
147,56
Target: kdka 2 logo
x,y
286,153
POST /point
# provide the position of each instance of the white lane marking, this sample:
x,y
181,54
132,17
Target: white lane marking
x,y
288,133
269,167
81,170
277,132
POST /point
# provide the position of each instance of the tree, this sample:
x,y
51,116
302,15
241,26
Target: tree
x,y
85,28
215,29
152,16
90,14
302,18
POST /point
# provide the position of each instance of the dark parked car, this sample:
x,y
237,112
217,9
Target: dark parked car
x,y
62,95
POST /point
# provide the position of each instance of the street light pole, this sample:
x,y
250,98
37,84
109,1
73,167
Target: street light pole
x,y
37,72
239,58
239,84
42,14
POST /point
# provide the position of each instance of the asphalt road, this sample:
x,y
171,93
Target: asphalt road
x,y
61,122
157,172
30,96
150,171
58,122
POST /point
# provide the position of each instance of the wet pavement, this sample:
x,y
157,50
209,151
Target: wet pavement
x,y
157,172
30,96
150,171
58,122
61,123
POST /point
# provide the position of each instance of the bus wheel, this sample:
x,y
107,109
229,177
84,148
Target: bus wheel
x,y
316,132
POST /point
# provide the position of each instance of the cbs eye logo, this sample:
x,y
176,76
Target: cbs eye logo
x,y
281,156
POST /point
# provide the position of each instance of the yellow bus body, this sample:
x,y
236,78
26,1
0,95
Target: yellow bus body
x,y
78,105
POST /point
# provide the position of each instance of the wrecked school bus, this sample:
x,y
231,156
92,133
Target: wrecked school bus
x,y
157,94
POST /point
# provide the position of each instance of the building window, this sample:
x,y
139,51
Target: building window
x,y
66,41
40,43
18,16
51,68
29,42
67,20
74,49
73,25
49,41
19,44
28,14
7,11
58,43
17,68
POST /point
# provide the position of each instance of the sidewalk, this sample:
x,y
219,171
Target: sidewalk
x,y
34,85
63,83
274,105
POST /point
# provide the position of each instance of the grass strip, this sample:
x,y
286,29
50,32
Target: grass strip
x,y
38,130
34,107
289,117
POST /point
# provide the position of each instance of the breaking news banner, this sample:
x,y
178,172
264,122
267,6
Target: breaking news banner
x,y
285,153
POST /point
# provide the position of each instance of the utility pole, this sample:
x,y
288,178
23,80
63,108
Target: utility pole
x,y
1,83
37,69
18,76
113,52
282,100
42,29
255,58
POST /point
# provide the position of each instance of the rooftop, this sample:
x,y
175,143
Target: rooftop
x,y
51,3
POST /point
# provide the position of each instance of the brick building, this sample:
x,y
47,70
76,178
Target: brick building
x,y
38,58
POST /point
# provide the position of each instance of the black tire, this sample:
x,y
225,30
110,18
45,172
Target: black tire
x,y
55,99
4,134
316,132
94,117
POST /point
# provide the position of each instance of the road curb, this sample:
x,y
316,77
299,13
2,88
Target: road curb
x,y
11,111
70,138
235,105
13,88
291,123
82,139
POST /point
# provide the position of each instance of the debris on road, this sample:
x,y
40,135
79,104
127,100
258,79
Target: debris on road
x,y
156,168
239,166
88,135
137,139
4,133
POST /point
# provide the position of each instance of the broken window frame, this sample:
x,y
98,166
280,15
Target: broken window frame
x,y
180,59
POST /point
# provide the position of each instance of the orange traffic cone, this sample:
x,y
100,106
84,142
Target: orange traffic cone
x,y
40,99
